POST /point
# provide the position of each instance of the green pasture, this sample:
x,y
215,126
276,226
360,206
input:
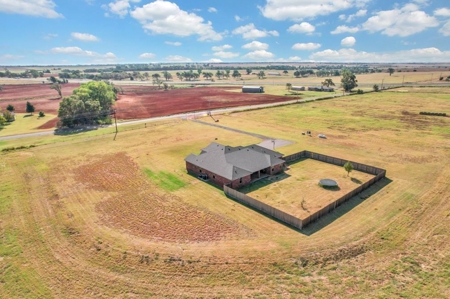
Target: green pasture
x,y
26,123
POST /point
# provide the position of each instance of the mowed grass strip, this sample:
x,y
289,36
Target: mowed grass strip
x,y
165,180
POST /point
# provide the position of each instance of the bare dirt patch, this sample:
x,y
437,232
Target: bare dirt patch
x,y
297,191
135,206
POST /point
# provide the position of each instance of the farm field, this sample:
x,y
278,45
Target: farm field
x,y
26,123
297,192
96,218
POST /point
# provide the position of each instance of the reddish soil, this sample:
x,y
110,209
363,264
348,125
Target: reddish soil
x,y
50,124
137,101
141,102
133,207
40,95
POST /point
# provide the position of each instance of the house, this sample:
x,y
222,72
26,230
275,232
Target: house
x,y
252,89
273,74
298,88
234,166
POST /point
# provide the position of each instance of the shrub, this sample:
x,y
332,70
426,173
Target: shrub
x,y
41,114
359,91
376,88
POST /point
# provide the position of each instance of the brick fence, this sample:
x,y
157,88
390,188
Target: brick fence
x,y
297,222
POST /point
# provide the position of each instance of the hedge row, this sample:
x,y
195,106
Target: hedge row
x,y
433,113
12,148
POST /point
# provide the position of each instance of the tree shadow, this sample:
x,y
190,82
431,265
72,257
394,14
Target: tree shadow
x,y
28,115
330,188
355,180
74,131
340,211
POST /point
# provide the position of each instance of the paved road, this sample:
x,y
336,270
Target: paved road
x,y
188,115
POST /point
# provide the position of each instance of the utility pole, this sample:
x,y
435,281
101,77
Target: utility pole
x,y
115,121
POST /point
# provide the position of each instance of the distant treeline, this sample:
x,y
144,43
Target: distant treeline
x,y
140,71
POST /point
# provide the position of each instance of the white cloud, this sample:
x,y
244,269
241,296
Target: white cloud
x,y
442,12
237,18
76,51
223,54
344,29
349,41
9,57
445,30
177,58
250,32
405,21
342,17
256,45
214,60
176,44
147,56
304,27
85,37
164,17
359,13
37,8
95,57
294,58
120,7
351,55
50,36
280,10
212,9
259,54
221,48
306,46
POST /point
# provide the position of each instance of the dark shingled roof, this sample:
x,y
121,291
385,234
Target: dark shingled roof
x,y
235,162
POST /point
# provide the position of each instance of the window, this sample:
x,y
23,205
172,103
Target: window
x,y
200,170
214,176
240,181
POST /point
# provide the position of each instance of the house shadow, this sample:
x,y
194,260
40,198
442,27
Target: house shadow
x,y
340,211
263,182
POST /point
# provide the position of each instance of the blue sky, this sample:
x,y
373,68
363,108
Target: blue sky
x,y
41,32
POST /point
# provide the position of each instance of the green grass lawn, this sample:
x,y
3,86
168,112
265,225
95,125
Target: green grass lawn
x,y
26,123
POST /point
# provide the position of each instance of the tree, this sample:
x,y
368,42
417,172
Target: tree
x,y
376,88
89,104
167,75
53,79
248,71
10,108
391,71
236,74
57,87
2,120
348,80
219,74
41,114
1,87
9,116
288,86
348,166
328,83
166,86
261,75
285,72
30,108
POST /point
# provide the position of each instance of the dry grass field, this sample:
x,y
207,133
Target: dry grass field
x,y
84,216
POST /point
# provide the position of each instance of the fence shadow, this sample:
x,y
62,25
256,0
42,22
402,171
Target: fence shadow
x,y
340,211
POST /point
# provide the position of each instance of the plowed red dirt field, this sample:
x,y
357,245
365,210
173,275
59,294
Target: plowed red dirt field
x,y
137,101
142,102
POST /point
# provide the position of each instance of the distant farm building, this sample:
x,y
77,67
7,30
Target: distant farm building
x,y
321,88
234,166
273,74
299,88
253,89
